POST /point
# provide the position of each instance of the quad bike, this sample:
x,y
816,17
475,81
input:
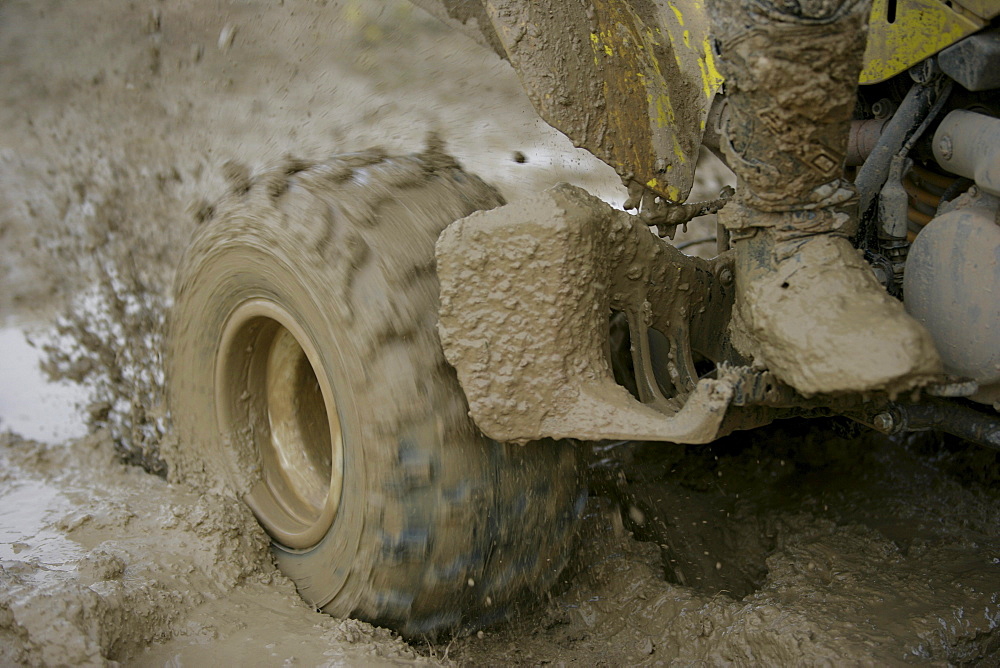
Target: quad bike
x,y
392,366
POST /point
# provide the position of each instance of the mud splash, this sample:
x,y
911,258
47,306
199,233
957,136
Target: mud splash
x,y
104,562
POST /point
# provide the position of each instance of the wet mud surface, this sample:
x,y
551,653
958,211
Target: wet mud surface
x,y
795,544
100,562
792,545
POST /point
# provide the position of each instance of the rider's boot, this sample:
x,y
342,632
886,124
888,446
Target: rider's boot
x,y
808,307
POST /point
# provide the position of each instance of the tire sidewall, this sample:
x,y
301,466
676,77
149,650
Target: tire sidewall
x,y
217,289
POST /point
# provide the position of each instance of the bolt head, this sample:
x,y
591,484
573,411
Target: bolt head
x,y
945,147
881,108
726,276
884,422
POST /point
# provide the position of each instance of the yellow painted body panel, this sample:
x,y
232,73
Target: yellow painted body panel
x,y
918,29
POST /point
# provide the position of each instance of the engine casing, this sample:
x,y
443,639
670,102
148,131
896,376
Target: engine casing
x,y
952,286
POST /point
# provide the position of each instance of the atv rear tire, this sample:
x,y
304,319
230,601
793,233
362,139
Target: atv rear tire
x,y
306,375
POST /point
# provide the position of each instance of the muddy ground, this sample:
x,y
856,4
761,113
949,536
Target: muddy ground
x,y
796,544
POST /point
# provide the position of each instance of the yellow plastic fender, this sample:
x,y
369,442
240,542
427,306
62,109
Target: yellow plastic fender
x,y
901,33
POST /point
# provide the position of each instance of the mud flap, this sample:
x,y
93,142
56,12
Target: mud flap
x,y
527,291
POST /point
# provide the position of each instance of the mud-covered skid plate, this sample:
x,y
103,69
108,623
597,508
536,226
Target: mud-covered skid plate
x,y
527,291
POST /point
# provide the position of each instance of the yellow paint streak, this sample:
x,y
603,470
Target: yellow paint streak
x,y
711,80
652,183
679,14
679,152
600,42
664,111
653,60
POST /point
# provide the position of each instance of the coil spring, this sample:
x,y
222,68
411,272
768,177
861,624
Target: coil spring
x,y
926,190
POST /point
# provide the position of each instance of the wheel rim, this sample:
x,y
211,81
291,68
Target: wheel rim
x,y
274,406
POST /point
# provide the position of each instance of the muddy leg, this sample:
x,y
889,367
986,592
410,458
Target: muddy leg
x,y
808,306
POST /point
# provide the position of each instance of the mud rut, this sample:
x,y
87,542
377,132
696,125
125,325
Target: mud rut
x,y
795,544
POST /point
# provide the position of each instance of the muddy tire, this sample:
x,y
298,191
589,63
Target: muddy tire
x,y
306,375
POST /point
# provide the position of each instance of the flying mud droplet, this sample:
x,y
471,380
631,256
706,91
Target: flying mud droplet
x,y
636,515
226,37
154,22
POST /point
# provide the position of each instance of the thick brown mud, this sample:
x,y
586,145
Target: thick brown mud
x,y
793,545
103,562
788,546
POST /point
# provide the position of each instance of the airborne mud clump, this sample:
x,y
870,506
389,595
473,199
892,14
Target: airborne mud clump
x,y
797,544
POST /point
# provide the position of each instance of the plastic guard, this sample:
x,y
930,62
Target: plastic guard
x,y
527,291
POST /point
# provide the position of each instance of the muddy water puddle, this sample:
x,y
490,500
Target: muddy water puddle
x,y
29,511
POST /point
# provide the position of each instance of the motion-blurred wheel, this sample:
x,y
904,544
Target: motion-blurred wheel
x,y
306,375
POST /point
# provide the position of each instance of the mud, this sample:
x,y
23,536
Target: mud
x,y
116,124
100,561
790,546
